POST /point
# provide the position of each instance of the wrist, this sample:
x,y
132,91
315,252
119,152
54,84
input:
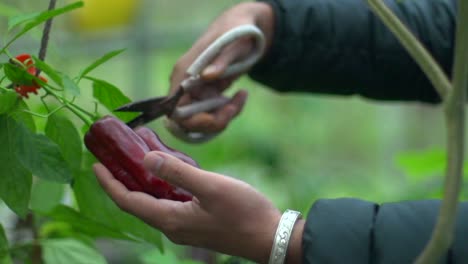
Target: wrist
x,y
265,20
294,254
287,242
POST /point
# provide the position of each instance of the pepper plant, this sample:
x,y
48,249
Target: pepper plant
x,y
44,159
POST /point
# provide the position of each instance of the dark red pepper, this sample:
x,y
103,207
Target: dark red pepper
x,y
122,150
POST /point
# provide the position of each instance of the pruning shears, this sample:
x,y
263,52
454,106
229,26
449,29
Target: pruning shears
x,y
153,108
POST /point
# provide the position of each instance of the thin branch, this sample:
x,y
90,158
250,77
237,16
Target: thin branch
x,y
442,235
417,51
46,33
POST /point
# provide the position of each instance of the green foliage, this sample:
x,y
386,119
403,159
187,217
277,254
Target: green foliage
x,y
40,162
99,62
41,156
59,251
94,203
17,74
7,101
421,165
64,133
46,195
155,256
84,225
15,183
36,19
111,97
4,256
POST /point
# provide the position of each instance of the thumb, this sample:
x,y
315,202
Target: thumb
x,y
171,169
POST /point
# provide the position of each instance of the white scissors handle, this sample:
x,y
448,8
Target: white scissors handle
x,y
227,38
202,61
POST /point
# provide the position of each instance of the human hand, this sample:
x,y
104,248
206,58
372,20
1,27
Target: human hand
x,y
226,215
255,13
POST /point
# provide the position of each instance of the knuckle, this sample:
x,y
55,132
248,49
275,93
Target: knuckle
x,y
122,203
172,171
178,68
220,125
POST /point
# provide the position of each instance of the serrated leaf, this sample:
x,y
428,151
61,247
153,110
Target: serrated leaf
x,y
7,101
70,251
85,225
7,10
95,204
64,133
99,62
42,17
4,248
15,180
69,86
16,20
111,97
41,156
46,195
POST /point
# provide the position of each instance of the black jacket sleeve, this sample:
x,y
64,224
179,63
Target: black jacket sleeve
x,y
340,47
356,231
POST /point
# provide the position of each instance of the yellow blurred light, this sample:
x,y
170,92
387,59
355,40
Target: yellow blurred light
x,y
105,14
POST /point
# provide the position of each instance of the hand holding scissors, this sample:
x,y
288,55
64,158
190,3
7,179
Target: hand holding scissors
x,y
154,108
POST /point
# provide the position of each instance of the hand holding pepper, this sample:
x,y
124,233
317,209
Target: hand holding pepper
x,y
226,215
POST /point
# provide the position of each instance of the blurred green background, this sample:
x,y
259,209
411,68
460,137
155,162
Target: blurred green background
x,y
295,148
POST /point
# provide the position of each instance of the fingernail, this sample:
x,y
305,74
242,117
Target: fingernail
x,y
210,70
153,162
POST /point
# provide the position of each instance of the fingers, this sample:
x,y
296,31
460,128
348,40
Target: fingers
x,y
231,53
218,120
199,182
139,204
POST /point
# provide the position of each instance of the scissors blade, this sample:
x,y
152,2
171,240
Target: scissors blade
x,y
146,105
140,120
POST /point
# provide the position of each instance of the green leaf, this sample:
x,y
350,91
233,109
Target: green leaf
x,y
20,19
17,74
46,195
20,115
15,180
421,164
95,204
85,225
6,10
99,62
69,86
70,251
151,256
47,69
111,97
4,248
7,101
44,16
41,156
62,131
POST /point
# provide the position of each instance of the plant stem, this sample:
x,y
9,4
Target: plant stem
x,y
417,51
78,111
442,235
46,33
79,114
